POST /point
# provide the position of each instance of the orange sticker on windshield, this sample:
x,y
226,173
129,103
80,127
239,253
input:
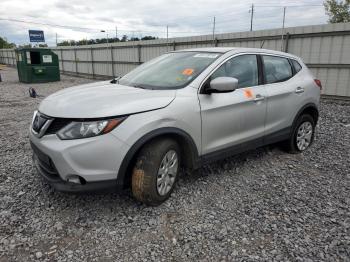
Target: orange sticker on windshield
x,y
248,93
188,71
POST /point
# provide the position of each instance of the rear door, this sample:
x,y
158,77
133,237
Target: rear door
x,y
284,95
230,119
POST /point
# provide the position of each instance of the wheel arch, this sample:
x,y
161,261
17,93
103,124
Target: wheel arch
x,y
188,150
310,109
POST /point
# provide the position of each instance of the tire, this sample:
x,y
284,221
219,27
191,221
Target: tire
x,y
153,177
291,145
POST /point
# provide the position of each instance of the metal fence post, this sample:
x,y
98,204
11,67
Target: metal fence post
x,y
112,61
76,62
286,43
139,54
92,63
62,61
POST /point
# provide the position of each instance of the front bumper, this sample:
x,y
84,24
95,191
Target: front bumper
x,y
95,161
52,177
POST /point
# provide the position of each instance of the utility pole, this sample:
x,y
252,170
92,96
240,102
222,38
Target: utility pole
x,y
251,17
56,39
214,31
167,37
116,32
104,31
284,19
167,33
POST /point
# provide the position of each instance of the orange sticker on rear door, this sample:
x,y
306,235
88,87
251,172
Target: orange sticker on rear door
x,y
248,93
188,71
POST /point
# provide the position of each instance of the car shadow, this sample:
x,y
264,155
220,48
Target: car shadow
x,y
124,202
232,163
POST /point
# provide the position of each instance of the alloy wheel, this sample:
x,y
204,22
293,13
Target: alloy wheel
x,y
167,172
304,135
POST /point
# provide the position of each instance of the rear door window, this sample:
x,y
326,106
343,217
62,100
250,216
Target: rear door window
x,y
277,69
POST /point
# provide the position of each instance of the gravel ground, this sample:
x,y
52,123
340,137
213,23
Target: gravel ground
x,y
259,206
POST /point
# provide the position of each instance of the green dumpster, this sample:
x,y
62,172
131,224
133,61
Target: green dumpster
x,y
37,65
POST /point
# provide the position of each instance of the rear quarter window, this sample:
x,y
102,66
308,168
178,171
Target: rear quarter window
x,y
296,65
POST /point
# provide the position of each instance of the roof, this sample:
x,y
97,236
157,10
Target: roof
x,y
236,50
210,49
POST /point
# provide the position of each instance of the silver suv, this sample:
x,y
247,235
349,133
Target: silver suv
x,y
174,112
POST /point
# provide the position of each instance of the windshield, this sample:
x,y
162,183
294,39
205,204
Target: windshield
x,y
169,71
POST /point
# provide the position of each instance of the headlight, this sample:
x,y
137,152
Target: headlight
x,y
76,130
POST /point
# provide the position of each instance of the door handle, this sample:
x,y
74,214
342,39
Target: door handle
x,y
258,98
299,90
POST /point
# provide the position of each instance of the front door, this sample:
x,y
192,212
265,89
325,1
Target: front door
x,y
235,119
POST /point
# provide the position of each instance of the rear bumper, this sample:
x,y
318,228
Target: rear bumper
x,y
47,170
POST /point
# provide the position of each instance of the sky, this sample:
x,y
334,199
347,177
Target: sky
x,y
75,20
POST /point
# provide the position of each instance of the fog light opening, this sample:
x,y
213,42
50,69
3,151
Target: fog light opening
x,y
76,180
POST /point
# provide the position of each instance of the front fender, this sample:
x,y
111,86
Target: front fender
x,y
190,151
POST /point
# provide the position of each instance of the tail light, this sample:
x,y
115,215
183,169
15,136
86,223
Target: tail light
x,y
318,83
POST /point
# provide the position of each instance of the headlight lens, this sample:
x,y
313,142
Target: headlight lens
x,y
76,130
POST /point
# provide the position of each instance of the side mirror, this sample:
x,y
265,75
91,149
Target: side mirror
x,y
223,85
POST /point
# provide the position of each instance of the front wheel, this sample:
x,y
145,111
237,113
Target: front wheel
x,y
302,135
156,171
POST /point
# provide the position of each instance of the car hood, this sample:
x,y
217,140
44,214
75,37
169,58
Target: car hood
x,y
103,99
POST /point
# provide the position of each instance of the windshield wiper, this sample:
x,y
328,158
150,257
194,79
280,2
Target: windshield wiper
x,y
139,86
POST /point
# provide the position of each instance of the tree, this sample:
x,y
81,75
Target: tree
x,y
148,37
338,11
63,43
5,44
103,40
25,46
124,38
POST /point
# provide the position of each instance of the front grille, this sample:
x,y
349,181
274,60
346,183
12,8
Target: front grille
x,y
39,122
56,125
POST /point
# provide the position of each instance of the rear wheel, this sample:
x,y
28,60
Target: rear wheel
x,y
156,171
302,135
